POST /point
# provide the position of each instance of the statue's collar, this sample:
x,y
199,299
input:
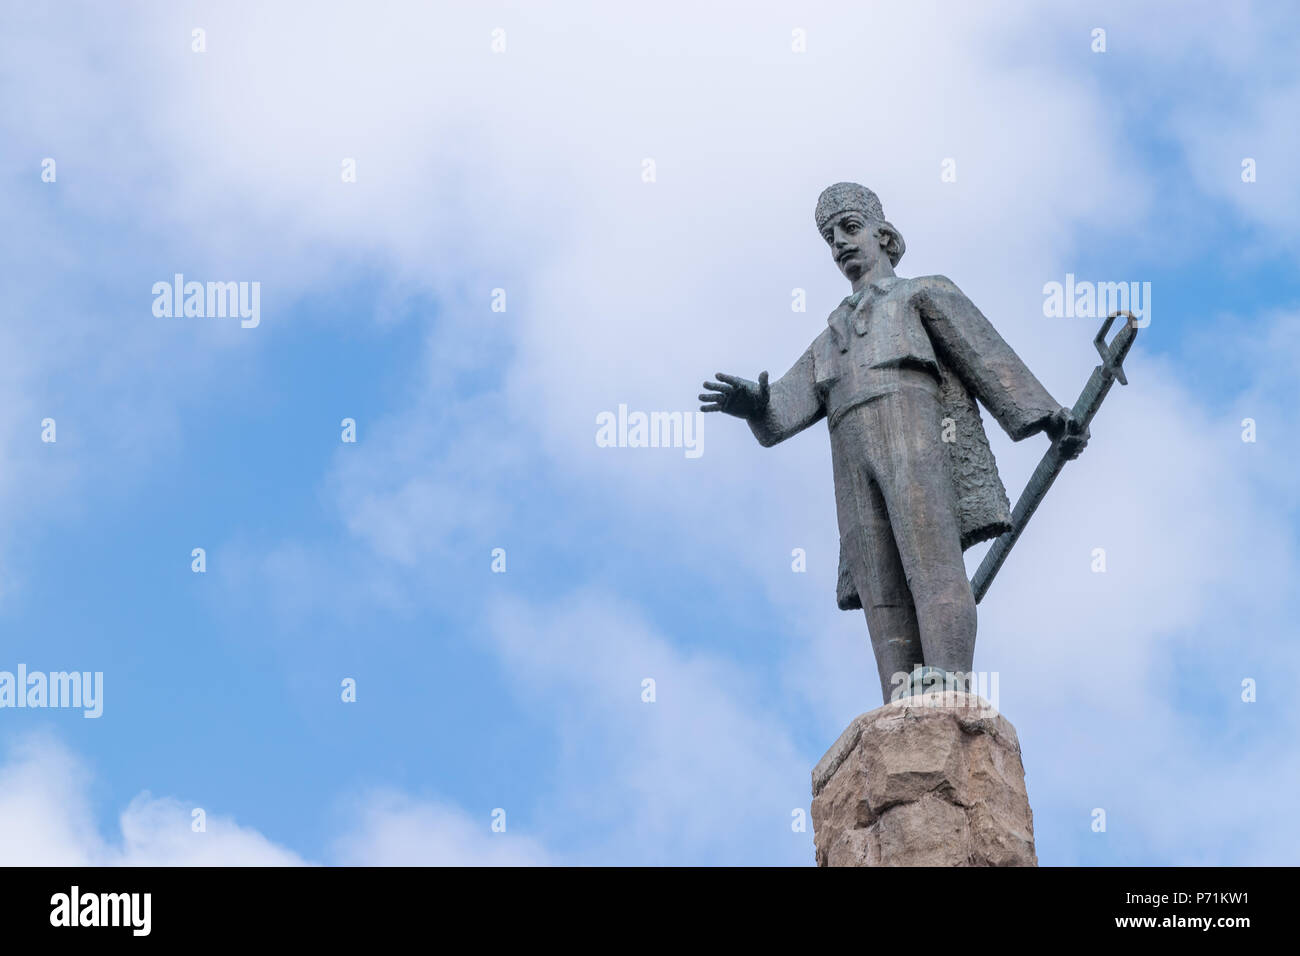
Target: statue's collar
x,y
851,311
879,287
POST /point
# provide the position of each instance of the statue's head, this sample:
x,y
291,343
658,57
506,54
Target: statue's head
x,y
851,220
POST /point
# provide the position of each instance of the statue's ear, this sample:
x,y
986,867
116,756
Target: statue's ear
x,y
891,240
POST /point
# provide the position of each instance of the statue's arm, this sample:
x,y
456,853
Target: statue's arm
x,y
982,359
793,405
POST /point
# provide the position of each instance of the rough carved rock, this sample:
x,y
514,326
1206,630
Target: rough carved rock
x,y
924,781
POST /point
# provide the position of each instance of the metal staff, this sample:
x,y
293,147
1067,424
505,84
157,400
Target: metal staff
x,y
1103,376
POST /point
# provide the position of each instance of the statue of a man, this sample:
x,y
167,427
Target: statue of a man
x,y
895,375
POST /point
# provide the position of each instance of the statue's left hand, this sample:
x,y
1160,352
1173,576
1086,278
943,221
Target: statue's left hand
x,y
1070,433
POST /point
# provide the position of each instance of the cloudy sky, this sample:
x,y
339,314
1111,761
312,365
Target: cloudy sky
x,y
505,147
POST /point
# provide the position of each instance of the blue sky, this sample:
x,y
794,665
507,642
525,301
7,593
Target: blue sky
x,y
522,170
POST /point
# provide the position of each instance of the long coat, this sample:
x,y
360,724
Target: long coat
x,y
972,361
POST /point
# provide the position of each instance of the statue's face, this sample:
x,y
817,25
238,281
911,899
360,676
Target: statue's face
x,y
855,243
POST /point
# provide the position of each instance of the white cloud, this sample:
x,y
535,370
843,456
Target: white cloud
x,y
46,819
706,773
395,830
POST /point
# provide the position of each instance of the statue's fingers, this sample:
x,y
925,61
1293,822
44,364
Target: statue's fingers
x,y
713,396
715,407
735,381
718,387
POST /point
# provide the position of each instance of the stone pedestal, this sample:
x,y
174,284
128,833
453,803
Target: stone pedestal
x,y
933,780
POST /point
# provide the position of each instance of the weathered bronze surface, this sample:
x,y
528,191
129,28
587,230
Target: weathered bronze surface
x,y
896,374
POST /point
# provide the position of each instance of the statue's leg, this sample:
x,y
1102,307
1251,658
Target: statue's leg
x,y
910,463
874,561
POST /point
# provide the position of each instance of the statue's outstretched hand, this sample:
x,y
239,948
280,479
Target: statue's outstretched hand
x,y
1070,432
736,396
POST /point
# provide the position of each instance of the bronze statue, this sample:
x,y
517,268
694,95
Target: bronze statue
x,y
896,375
